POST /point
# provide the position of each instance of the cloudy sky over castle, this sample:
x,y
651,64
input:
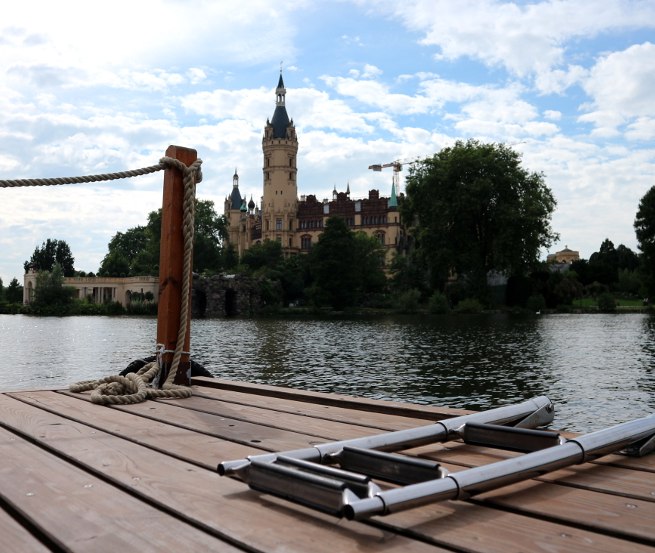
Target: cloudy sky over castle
x,y
92,87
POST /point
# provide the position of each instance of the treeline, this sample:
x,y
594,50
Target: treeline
x,y
475,223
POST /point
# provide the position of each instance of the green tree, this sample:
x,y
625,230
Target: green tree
x,y
603,264
294,278
14,292
50,253
50,290
333,265
645,231
138,247
369,266
473,208
2,291
267,254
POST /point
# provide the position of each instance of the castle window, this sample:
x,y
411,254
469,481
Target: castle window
x,y
380,237
278,224
306,242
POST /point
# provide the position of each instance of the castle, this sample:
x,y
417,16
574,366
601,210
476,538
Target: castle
x,y
298,223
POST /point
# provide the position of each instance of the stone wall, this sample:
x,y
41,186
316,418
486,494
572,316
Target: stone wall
x,y
225,296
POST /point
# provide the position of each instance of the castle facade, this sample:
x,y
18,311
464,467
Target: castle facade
x,y
296,222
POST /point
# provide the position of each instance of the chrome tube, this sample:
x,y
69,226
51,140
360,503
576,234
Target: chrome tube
x,y
537,411
469,482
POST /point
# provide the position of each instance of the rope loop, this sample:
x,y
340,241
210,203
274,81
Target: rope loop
x,y
131,388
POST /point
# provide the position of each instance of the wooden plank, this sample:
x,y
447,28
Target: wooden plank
x,y
623,482
259,435
233,504
379,421
361,404
615,515
219,504
200,448
579,509
16,538
81,512
472,528
322,429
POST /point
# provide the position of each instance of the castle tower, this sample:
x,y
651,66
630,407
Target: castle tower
x,y
236,221
280,199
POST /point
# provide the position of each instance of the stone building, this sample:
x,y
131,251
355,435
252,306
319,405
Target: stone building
x,y
99,289
298,222
566,256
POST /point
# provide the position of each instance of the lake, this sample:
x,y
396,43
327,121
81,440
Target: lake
x,y
598,369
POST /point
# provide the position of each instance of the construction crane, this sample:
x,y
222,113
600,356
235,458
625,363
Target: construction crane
x,y
397,167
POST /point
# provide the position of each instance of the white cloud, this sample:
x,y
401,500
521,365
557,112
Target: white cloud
x,y
621,86
525,39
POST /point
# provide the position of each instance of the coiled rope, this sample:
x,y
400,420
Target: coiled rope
x,y
137,387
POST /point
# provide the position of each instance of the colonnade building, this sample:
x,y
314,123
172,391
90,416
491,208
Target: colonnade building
x,y
298,222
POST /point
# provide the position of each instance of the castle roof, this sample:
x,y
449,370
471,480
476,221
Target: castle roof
x,y
280,120
235,196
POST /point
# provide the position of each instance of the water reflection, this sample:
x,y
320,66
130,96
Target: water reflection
x,y
598,369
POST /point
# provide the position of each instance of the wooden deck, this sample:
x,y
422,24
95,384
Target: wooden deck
x,y
75,476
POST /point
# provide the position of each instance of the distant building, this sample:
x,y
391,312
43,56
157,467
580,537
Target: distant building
x,y
564,256
100,289
297,223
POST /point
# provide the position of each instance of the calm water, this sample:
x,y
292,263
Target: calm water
x,y
597,369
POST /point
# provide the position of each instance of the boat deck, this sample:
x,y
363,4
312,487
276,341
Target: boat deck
x,y
76,476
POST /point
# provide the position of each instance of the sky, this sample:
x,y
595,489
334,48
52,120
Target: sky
x,y
97,87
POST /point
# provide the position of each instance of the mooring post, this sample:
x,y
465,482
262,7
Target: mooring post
x,y
171,269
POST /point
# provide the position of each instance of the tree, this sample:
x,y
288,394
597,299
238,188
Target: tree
x,y
2,290
645,231
333,265
50,290
267,254
14,292
136,251
369,255
50,253
474,209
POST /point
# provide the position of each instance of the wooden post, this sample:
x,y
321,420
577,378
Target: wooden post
x,y
171,269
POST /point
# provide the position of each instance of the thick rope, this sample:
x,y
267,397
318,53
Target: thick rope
x,y
137,387
132,388
88,178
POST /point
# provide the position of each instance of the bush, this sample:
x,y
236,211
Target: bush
x,y
408,301
438,304
469,305
606,303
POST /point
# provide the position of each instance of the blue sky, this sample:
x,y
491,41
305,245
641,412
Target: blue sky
x,y
92,87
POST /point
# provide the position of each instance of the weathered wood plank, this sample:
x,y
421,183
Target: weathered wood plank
x,y
319,427
219,504
16,538
268,432
81,512
486,525
339,400
380,421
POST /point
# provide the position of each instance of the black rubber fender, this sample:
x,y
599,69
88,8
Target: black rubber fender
x,y
196,368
